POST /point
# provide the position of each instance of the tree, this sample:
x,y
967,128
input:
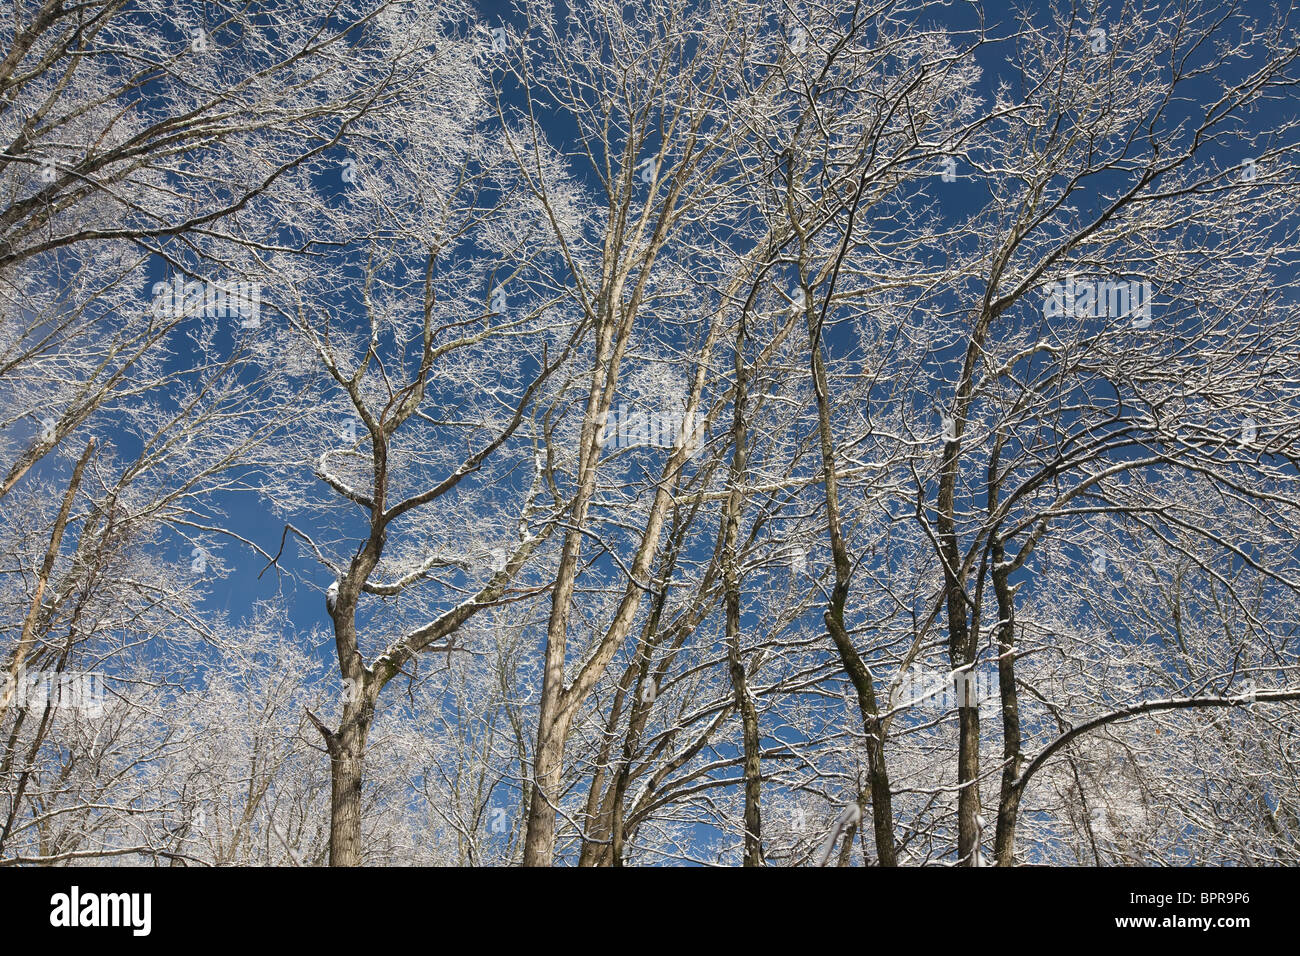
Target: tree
x,y
700,433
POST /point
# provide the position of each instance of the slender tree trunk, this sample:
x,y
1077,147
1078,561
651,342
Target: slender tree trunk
x,y
731,578
617,819
604,805
961,643
1009,800
596,820
968,769
548,767
1004,840
27,637
616,827
960,657
882,804
961,654
347,763
850,834
552,725
753,769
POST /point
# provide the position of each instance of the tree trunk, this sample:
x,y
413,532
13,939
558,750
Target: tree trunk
x,y
731,577
552,726
27,638
347,759
548,767
882,805
1004,841
753,771
961,656
968,798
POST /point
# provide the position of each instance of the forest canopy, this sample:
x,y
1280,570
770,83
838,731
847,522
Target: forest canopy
x,y
600,433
